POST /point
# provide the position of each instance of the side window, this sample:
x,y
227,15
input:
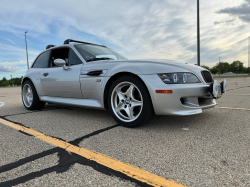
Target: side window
x,y
42,60
61,53
73,58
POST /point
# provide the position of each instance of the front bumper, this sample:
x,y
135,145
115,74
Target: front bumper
x,y
185,100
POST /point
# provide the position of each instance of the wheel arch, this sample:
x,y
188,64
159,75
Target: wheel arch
x,y
29,79
112,79
25,79
36,103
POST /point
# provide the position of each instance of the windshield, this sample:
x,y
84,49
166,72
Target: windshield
x,y
93,52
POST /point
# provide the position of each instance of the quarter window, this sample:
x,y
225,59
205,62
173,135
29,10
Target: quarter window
x,y
73,58
42,60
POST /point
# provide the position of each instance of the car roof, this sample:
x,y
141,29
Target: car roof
x,y
67,42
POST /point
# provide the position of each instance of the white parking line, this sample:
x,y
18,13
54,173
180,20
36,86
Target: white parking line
x,y
1,104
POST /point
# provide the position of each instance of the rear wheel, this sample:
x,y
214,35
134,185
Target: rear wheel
x,y
129,102
30,98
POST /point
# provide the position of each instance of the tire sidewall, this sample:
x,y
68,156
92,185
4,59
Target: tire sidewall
x,y
36,103
145,96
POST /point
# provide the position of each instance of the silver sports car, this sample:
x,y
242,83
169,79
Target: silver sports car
x,y
90,75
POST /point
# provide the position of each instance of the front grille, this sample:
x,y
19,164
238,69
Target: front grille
x,y
207,76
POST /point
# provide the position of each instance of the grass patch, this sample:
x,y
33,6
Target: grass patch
x,y
9,86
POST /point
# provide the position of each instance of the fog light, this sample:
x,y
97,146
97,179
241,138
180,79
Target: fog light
x,y
224,86
214,88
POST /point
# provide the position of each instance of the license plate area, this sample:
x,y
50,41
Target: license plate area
x,y
219,92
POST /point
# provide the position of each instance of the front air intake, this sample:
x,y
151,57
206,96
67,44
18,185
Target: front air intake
x,y
207,76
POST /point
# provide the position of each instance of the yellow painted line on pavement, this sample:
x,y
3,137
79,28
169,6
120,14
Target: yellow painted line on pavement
x,y
127,169
233,108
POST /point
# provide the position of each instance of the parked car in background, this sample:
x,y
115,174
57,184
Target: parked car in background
x,y
228,73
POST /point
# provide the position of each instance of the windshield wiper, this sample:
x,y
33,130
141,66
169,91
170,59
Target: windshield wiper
x,y
104,58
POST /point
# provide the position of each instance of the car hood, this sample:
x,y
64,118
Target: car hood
x,y
160,62
146,66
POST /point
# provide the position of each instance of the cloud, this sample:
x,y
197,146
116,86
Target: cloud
x,y
2,46
137,29
11,41
227,22
8,68
242,11
140,30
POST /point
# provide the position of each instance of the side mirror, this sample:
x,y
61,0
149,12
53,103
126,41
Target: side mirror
x,y
60,62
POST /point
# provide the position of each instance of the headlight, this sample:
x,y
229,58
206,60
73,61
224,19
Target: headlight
x,y
179,78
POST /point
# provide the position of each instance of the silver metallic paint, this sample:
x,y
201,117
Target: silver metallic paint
x,y
75,87
60,82
61,62
89,103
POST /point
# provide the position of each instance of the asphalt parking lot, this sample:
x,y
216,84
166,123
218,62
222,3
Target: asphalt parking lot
x,y
209,149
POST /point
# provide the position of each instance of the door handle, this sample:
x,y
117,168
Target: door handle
x,y
45,74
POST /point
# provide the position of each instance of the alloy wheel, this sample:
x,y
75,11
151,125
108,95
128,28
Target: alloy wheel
x,y
27,95
126,101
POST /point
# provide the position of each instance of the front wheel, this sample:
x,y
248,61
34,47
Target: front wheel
x,y
129,102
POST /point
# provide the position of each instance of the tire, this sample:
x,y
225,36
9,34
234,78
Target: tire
x,y
30,98
129,102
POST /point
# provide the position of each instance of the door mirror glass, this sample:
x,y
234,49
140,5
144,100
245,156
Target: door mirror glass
x,y
60,62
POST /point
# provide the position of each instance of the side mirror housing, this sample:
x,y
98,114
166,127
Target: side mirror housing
x,y
60,62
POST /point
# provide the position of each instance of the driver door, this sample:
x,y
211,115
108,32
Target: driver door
x,y
58,82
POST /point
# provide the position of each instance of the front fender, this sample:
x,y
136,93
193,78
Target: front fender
x,y
34,76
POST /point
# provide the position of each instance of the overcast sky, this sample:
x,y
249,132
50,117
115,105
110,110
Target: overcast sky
x,y
138,29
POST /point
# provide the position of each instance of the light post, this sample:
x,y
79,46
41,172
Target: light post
x,y
198,33
219,66
26,50
248,55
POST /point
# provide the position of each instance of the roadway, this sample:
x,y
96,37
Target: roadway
x,y
70,146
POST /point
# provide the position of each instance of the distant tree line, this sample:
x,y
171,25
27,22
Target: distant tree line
x,y
235,67
16,81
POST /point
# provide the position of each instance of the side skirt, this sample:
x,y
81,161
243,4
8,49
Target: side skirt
x,y
90,103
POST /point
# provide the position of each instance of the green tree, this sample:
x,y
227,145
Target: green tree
x,y
214,70
206,67
16,81
224,67
237,67
248,70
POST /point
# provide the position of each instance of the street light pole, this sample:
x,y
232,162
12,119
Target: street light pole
x,y
219,66
198,33
26,50
248,55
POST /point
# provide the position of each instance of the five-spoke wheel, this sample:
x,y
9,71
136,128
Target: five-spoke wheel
x,y
30,98
27,95
129,101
